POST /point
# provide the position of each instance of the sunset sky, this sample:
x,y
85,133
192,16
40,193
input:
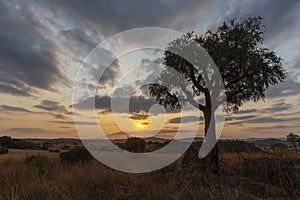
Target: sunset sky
x,y
43,43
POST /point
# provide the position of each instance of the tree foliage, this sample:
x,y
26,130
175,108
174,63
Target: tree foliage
x,y
247,68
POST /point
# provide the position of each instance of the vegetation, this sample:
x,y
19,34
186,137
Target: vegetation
x,y
37,162
76,155
54,151
134,144
8,142
3,150
247,70
293,139
245,175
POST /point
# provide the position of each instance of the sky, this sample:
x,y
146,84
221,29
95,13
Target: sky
x,y
43,44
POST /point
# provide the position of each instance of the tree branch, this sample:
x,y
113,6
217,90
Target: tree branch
x,y
195,82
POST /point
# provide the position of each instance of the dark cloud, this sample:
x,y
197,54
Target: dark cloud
x,y
288,88
116,16
278,107
50,105
136,104
247,111
27,60
138,116
13,90
185,119
280,17
14,109
58,116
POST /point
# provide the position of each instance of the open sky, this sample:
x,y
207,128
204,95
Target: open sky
x,y
42,45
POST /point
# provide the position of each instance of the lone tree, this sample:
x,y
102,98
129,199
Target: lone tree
x,y
246,68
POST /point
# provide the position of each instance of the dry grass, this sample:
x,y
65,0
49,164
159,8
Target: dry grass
x,y
95,181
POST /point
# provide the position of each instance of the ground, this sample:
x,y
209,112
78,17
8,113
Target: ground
x,y
268,174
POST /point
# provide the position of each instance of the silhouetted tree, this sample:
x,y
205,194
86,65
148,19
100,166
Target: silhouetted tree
x,y
247,70
293,139
135,144
76,155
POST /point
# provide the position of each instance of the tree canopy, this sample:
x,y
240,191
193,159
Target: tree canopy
x,y
247,68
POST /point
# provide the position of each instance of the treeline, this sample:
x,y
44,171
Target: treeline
x,y
8,142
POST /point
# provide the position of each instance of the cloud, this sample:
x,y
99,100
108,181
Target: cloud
x,y
139,116
286,128
136,104
14,109
58,116
27,130
13,90
50,105
185,119
265,120
288,88
280,17
247,111
27,60
278,107
117,16
72,122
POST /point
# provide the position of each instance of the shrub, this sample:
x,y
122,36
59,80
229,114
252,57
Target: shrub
x,y
135,144
37,162
76,155
4,150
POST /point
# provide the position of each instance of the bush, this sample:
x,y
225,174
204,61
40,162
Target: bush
x,y
4,150
135,144
37,162
76,155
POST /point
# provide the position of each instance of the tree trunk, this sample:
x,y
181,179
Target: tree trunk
x,y
213,157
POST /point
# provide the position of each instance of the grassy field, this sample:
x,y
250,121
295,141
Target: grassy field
x,y
260,175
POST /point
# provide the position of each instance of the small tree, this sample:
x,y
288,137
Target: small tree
x,y
76,155
247,70
135,144
293,139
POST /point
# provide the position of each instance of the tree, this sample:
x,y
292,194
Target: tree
x,y
247,70
76,155
135,144
293,139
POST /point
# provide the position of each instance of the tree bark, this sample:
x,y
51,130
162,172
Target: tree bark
x,y
213,156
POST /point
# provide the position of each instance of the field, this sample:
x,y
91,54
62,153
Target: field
x,y
273,174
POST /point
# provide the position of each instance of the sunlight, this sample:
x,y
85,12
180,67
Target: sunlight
x,y
139,125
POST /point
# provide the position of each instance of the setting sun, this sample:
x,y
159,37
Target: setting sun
x,y
139,125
